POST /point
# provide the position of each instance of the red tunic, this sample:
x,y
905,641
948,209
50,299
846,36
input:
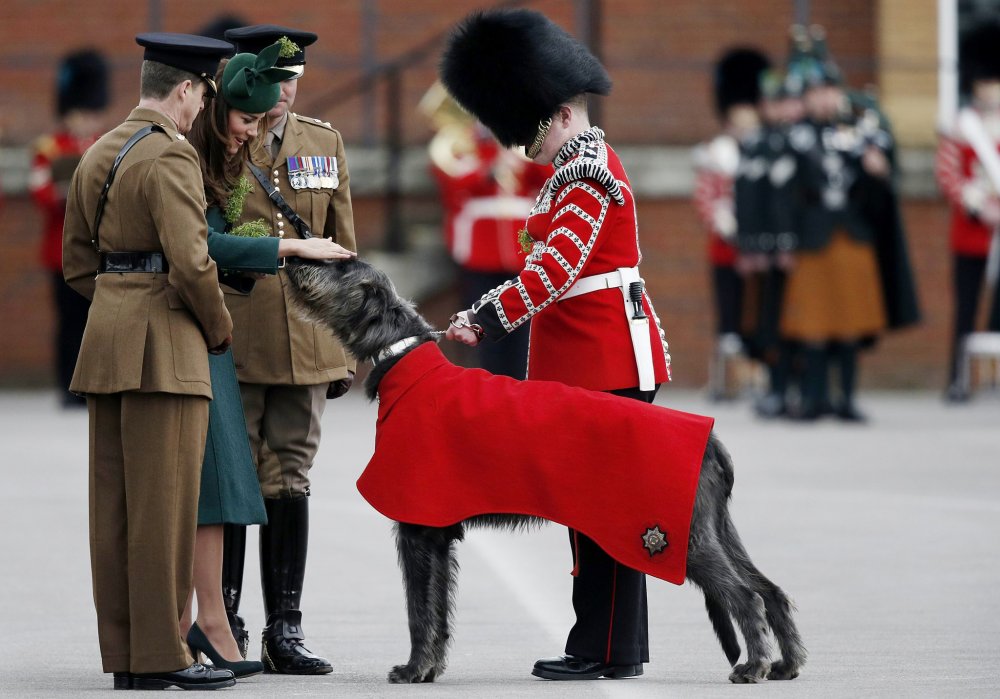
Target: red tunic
x,y
483,215
957,168
713,191
453,443
54,161
581,228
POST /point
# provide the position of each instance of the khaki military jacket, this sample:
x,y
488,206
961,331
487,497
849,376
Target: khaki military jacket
x,y
272,343
145,332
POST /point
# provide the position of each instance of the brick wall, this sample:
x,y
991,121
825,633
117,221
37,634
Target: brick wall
x,y
658,53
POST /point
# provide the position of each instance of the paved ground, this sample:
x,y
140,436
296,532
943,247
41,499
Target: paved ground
x,y
884,535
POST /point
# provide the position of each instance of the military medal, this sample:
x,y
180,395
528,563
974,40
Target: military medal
x,y
296,173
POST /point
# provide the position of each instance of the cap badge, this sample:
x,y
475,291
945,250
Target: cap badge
x,y
654,541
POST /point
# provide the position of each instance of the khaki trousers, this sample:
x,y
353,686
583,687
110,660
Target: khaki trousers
x,y
284,427
146,451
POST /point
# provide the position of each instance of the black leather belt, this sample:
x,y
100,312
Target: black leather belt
x,y
133,262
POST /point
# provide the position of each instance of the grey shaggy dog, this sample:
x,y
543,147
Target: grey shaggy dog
x,y
360,305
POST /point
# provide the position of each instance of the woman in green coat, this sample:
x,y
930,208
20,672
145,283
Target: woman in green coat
x,y
224,134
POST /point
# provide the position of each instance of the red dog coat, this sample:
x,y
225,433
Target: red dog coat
x,y
452,443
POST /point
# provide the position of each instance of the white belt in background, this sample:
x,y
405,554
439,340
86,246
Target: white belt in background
x,y
622,278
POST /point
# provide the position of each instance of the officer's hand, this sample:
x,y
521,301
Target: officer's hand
x,y
222,347
338,388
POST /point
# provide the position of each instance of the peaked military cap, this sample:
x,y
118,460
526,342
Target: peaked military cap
x,y
256,38
513,68
195,54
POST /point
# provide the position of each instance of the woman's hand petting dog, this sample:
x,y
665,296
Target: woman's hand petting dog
x,y
313,249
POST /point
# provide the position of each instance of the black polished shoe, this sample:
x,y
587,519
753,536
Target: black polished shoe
x,y
195,677
284,652
199,643
123,680
571,667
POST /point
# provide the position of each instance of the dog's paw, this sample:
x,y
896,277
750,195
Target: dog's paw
x,y
748,673
782,671
407,674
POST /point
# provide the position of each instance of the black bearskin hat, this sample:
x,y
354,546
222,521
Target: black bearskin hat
x,y
737,78
979,57
513,68
82,82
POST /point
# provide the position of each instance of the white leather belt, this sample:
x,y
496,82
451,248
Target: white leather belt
x,y
622,278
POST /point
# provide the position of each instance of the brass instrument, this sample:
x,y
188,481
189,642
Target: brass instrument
x,y
453,147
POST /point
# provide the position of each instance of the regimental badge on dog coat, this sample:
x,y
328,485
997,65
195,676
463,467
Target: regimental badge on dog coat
x,y
453,443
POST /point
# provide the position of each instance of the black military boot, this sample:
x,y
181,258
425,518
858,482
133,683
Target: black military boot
x,y
234,553
283,544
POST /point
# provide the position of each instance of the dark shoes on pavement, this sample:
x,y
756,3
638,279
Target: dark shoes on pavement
x,y
197,676
571,667
199,643
284,650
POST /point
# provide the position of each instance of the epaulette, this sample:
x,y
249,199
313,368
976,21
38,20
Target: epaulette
x,y
590,164
312,121
47,147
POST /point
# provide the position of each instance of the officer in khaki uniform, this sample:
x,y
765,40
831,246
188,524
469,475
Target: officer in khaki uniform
x,y
156,312
287,367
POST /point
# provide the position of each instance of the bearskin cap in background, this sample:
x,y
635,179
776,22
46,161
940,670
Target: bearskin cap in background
x,y
737,78
82,82
513,68
979,55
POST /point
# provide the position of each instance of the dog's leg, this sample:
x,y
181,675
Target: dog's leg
x,y
710,569
444,581
427,559
418,549
777,605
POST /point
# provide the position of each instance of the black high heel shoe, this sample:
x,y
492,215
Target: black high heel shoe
x,y
199,643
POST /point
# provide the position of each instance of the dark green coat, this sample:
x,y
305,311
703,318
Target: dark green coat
x,y
230,492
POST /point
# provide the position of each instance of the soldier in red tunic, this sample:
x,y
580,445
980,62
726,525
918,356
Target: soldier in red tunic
x,y
592,324
81,98
974,201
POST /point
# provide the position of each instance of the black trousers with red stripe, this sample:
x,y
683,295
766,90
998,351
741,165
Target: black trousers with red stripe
x,y
609,598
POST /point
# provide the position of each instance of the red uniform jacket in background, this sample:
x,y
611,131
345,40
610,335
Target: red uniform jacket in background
x,y
957,167
453,443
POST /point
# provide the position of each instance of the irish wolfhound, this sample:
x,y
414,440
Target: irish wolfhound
x,y
360,305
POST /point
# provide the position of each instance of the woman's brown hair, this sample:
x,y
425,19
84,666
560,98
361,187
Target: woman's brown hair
x,y
210,137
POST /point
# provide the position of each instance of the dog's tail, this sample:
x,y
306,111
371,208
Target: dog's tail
x,y
723,626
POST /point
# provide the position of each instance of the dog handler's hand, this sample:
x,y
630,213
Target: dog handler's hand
x,y
313,249
462,330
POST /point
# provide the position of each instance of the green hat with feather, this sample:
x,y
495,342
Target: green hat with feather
x,y
250,81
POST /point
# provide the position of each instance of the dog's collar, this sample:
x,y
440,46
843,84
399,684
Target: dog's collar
x,y
395,349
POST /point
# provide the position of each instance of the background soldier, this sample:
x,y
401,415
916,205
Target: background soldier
x,y
850,246
287,367
974,201
81,98
716,165
486,193
157,312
